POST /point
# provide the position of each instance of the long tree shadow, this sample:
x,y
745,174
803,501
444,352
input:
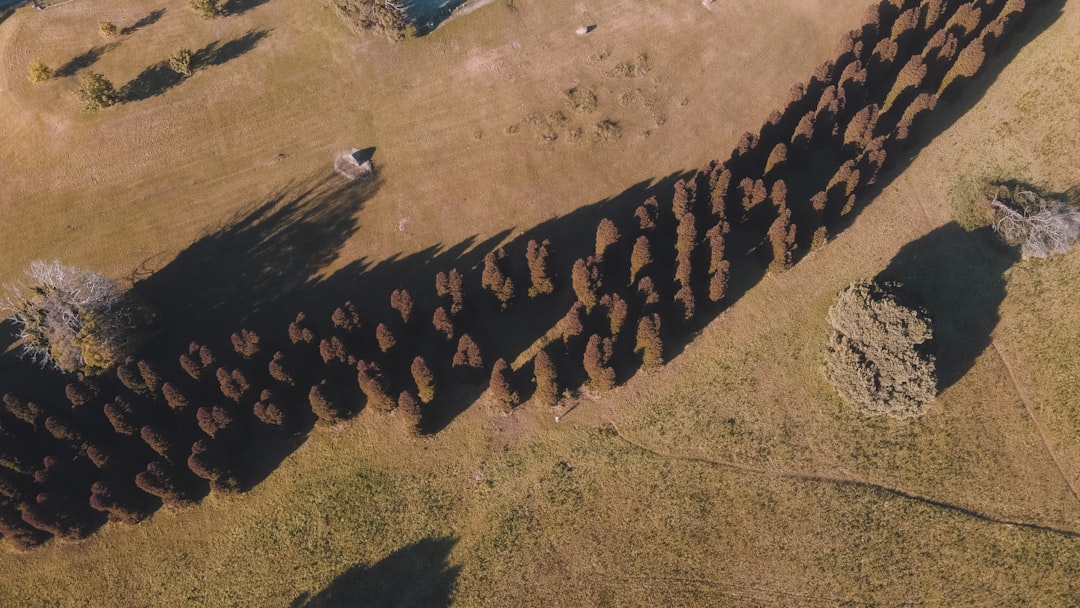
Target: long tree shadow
x,y
416,576
237,7
958,277
84,60
151,18
217,53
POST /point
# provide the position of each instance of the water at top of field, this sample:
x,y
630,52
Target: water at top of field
x,y
429,13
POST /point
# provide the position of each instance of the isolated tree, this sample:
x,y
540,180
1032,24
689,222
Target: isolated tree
x,y
96,92
424,379
617,310
279,369
547,380
206,9
180,62
782,240
649,343
537,256
443,323
346,317
408,408
606,236
640,257
503,395
301,330
246,343
214,420
325,403
74,319
597,361
385,337
468,356
877,354
372,383
401,301
586,281
39,72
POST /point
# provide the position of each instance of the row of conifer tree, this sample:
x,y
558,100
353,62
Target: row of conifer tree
x,y
118,450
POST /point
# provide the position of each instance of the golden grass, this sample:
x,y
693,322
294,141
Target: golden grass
x,y
732,476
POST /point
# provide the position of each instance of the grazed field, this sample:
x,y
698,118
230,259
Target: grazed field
x,y
732,476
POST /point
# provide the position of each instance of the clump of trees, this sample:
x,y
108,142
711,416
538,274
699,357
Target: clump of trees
x,y
74,319
878,354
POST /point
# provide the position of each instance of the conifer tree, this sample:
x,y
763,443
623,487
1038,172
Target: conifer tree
x,y
279,369
495,279
246,343
719,183
408,408
882,58
424,379
79,393
920,105
537,256
214,420
162,481
747,142
20,534
270,412
374,386
686,301
617,310
120,504
443,323
649,343
647,291
325,403
197,361
967,64
683,199
401,301
586,281
684,268
640,257
572,324
347,318
149,376
27,411
817,203
715,238
455,285
910,78
597,360
333,350
503,395
385,337
777,159
753,193
209,461
547,380
718,282
782,239
853,81
965,20
935,13
646,217
905,24
686,233
860,129
234,384
157,439
301,330
468,356
606,236
128,375
121,416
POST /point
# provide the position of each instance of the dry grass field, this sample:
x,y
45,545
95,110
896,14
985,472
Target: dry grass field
x,y
733,476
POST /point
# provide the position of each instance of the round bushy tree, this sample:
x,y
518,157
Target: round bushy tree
x,y
877,355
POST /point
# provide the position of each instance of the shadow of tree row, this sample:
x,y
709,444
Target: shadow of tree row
x,y
262,267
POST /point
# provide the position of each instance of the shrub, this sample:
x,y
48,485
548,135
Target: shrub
x,y
401,301
537,256
96,92
39,72
876,356
547,380
649,343
424,379
597,360
503,395
206,9
180,62
107,29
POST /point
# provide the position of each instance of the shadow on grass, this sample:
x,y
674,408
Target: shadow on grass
x,y
160,77
958,277
416,576
151,18
237,7
84,60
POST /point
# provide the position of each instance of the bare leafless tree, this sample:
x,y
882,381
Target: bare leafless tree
x,y
1041,227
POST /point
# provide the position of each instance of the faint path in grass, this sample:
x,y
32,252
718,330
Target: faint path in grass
x,y
849,481
1035,421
